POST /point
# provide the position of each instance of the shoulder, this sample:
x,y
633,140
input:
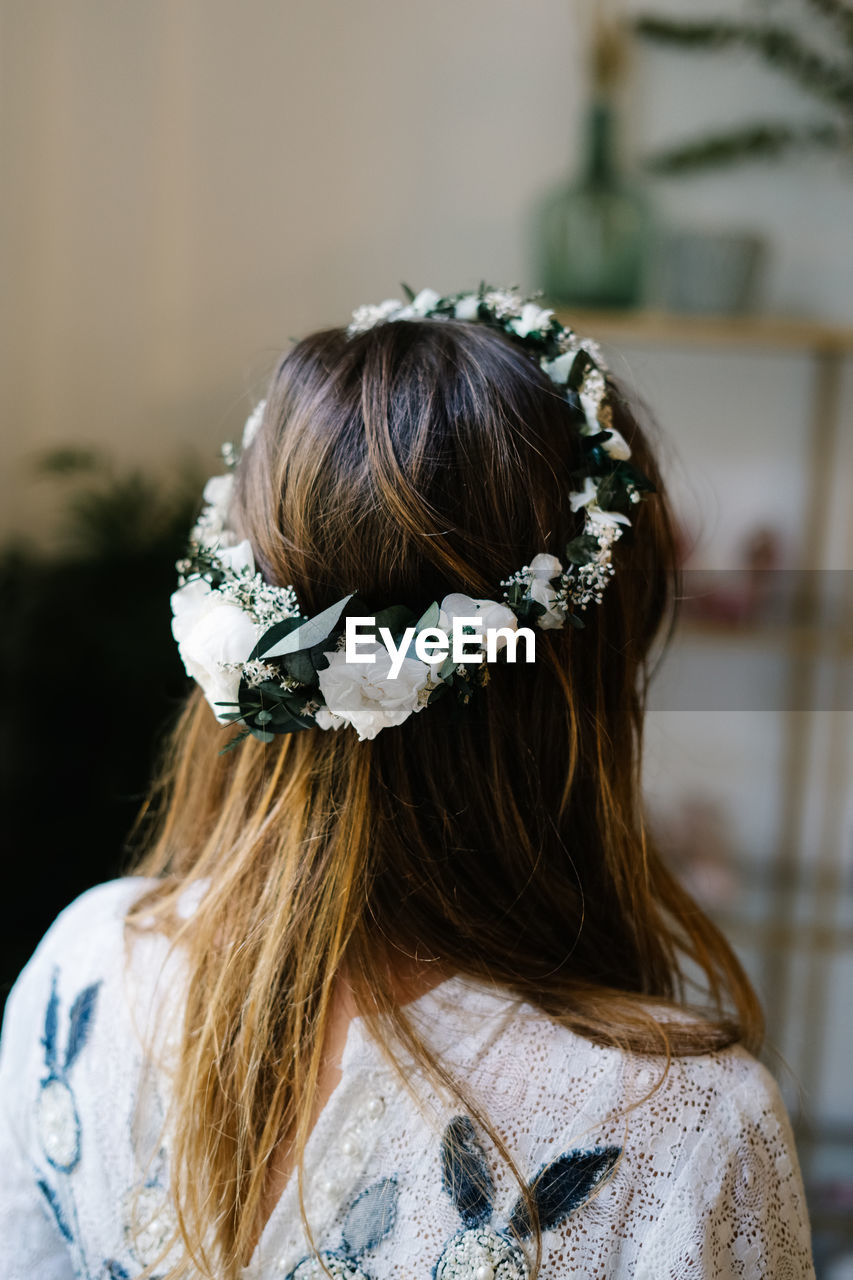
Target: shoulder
x,y
670,1165
71,984
699,1147
81,945
66,1018
668,1108
90,923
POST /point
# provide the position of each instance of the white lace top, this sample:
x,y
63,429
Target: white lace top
x,y
701,1179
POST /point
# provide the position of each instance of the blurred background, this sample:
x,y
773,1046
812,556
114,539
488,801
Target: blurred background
x,y
188,184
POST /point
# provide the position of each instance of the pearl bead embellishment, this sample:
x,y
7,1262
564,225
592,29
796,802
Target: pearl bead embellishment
x,y
482,1254
58,1124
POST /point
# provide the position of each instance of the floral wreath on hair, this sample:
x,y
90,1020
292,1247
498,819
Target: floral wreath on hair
x,y
264,665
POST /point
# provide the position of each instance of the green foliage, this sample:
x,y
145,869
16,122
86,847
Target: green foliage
x,y
753,142
90,621
306,635
111,514
829,80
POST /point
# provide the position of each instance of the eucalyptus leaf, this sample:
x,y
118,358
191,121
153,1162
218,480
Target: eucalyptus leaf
x,y
428,618
271,689
235,741
300,667
274,634
396,618
294,703
447,667
262,735
581,549
307,634
527,610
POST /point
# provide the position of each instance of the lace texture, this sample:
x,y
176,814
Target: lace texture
x,y
699,1180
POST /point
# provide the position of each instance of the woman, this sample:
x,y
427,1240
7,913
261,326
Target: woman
x,y
397,986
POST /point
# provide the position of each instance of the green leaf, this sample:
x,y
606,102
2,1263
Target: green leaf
x,y
235,741
528,610
288,721
270,689
262,735
581,549
447,667
408,291
278,632
263,717
630,474
396,618
581,363
428,619
307,634
611,493
300,667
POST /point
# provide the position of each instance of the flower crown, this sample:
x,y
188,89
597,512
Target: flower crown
x,y
264,665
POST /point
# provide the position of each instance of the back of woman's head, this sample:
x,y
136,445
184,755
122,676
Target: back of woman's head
x,y
504,837
420,458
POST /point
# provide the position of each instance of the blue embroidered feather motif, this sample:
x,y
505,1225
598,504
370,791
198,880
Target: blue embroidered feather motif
x,y
370,1218
465,1172
51,1020
558,1189
562,1186
79,1022
55,1208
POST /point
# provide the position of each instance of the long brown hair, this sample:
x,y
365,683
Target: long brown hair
x,y
504,838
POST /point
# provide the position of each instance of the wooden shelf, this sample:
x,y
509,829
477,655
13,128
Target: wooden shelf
x,y
786,333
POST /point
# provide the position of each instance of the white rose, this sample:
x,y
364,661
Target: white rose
x,y
364,695
212,633
558,370
425,301
253,421
327,719
217,492
531,320
541,570
212,527
238,557
493,614
467,307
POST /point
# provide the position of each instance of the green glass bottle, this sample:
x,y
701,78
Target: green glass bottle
x,y
594,236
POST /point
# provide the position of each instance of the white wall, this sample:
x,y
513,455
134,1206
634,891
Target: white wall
x,y
189,184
